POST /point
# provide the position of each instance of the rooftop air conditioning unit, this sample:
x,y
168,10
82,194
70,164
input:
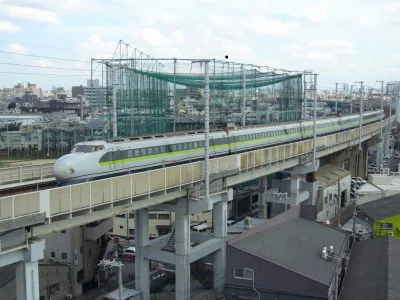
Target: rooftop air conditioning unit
x,y
325,253
247,223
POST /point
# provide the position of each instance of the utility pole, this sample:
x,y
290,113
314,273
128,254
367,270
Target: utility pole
x,y
336,95
351,99
113,263
339,198
314,124
361,111
380,150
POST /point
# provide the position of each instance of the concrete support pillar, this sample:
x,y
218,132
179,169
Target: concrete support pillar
x,y
142,271
379,155
220,213
294,189
262,198
27,280
386,134
27,272
182,250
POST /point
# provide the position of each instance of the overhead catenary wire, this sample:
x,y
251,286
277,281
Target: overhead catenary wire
x,y
42,74
47,57
44,67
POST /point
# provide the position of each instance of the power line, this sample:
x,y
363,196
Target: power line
x,y
23,73
48,57
37,66
38,45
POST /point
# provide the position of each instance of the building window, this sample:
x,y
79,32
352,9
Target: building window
x,y
81,249
121,227
163,216
64,255
386,226
90,252
243,273
63,231
53,254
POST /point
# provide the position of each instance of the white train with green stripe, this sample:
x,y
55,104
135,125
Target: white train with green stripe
x,y
100,159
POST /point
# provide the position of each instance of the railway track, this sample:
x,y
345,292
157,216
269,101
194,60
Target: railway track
x,y
26,188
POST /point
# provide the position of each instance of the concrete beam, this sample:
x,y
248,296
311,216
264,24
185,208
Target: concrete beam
x,y
106,213
21,222
204,249
159,255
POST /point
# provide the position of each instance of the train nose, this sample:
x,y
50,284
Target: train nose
x,y
65,167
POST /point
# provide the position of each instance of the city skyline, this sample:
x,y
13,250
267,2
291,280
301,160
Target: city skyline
x,y
339,41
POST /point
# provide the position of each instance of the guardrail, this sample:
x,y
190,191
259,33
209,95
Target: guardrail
x,y
67,202
26,173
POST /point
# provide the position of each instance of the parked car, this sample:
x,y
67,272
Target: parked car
x,y
129,254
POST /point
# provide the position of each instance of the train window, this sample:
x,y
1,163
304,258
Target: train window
x,y
180,147
143,152
150,151
174,147
162,149
84,148
156,150
130,153
185,146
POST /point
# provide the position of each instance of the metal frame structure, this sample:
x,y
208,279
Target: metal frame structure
x,y
146,95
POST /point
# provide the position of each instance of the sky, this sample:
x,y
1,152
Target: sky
x,y
343,41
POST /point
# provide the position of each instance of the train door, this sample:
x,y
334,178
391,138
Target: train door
x,y
111,164
232,147
118,159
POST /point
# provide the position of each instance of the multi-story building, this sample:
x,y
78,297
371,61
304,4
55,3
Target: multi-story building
x,y
80,247
95,94
19,90
77,91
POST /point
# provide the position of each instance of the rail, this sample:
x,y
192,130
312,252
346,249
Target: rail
x,y
64,203
26,173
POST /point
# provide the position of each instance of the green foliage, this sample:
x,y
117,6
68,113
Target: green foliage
x,y
12,105
11,127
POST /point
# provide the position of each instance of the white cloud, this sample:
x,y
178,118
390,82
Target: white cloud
x,y
156,18
152,36
394,70
273,27
294,47
95,47
178,37
32,14
7,26
335,46
218,20
17,48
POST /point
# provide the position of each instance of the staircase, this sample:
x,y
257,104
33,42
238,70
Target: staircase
x,y
170,247
203,275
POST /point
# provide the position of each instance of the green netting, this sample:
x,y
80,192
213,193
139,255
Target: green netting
x,y
223,82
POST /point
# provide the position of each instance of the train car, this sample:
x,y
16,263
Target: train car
x,y
100,159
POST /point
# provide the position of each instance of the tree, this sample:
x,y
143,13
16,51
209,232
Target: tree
x,y
12,105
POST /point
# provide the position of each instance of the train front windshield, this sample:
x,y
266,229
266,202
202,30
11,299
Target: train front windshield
x,y
87,148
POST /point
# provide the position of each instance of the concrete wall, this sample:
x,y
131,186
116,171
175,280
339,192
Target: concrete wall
x,y
81,254
330,207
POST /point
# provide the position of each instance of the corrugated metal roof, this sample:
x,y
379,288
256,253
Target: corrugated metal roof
x,y
296,245
382,208
329,174
374,270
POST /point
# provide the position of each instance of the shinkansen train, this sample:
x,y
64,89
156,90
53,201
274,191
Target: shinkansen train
x,y
100,159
